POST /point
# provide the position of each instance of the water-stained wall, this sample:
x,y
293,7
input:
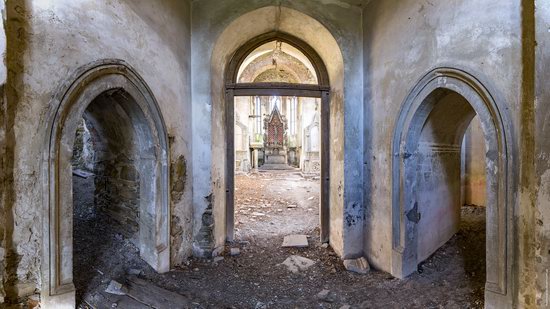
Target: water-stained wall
x,y
47,42
375,55
403,41
3,162
537,248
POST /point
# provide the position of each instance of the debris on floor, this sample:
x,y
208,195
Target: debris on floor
x,y
326,296
296,263
155,296
82,173
115,288
360,265
295,241
454,277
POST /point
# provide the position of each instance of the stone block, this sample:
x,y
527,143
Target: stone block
x,y
296,263
24,290
360,265
115,288
296,241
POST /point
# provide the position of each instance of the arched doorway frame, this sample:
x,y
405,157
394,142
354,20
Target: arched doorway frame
x,y
68,106
500,211
233,88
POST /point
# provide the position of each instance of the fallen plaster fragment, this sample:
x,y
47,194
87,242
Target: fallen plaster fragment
x,y
360,265
296,241
115,288
235,251
260,305
82,174
296,263
326,296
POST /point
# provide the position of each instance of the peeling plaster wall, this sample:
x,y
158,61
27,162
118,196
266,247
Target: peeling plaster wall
x,y
404,40
49,40
344,24
539,255
3,77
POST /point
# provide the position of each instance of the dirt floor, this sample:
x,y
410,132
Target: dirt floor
x,y
270,206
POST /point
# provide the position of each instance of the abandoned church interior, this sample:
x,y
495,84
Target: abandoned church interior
x,y
275,154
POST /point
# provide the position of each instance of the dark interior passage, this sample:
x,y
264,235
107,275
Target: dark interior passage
x,y
109,154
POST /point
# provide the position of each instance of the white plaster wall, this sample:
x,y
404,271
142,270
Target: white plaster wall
x,y
438,196
242,111
54,38
404,40
307,117
475,173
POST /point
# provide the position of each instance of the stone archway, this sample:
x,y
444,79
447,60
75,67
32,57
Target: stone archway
x,y
116,78
211,211
405,217
320,90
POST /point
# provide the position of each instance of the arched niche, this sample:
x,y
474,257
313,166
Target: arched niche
x,y
106,80
422,107
241,37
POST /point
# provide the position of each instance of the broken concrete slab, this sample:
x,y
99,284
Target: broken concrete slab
x,y
155,296
296,263
296,241
115,288
360,265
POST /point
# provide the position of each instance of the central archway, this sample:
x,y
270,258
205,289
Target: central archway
x,y
321,90
211,222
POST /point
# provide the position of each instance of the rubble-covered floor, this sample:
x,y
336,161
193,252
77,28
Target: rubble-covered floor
x,y
452,278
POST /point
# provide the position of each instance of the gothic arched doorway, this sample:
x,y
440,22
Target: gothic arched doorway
x,y
116,101
426,175
290,86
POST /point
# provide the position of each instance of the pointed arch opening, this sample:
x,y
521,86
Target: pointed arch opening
x,y
109,103
427,175
281,70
